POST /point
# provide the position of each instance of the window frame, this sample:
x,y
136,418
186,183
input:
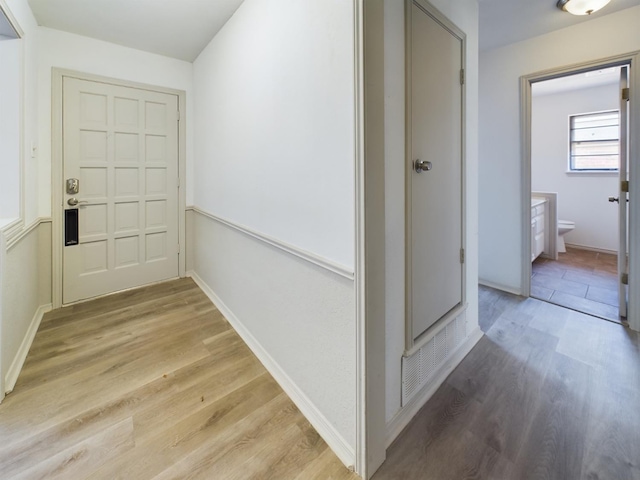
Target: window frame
x,y
570,157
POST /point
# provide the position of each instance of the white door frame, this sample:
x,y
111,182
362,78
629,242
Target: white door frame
x,y
633,60
57,206
370,236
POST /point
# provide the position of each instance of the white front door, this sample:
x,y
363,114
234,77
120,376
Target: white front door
x,y
436,220
121,144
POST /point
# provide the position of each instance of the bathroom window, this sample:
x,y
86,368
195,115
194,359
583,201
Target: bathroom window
x,y
594,141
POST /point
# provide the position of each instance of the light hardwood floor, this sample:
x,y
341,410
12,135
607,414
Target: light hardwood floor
x,y
153,383
548,393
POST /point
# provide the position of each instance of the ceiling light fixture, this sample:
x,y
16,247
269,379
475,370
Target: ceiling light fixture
x,y
581,7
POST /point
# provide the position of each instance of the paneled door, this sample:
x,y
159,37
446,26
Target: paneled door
x,y
120,166
435,170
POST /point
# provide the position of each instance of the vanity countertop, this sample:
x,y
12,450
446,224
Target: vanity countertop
x,y
535,201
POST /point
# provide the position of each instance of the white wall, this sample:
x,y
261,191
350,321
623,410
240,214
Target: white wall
x,y
500,174
465,15
275,124
65,50
582,197
10,122
298,318
25,287
25,295
274,152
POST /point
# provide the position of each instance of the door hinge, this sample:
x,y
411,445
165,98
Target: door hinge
x,y
626,93
462,255
624,186
178,249
462,76
178,115
624,279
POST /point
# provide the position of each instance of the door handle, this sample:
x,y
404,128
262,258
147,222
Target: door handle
x,y
615,199
73,201
422,165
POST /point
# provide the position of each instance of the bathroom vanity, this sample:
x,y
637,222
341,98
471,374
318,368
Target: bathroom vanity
x,y
539,226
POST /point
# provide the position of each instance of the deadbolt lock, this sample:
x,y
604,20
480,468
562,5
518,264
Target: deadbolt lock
x,y
73,186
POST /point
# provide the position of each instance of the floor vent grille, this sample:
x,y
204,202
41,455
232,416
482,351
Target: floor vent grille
x,y
419,368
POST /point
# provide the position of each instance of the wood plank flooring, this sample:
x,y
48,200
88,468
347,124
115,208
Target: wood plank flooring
x,y
548,393
582,280
153,383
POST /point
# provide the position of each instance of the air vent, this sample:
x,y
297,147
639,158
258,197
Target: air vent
x,y
419,368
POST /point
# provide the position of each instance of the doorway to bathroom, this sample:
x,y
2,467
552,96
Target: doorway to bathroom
x,y
578,184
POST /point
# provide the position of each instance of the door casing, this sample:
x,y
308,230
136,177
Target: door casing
x,y
57,207
633,60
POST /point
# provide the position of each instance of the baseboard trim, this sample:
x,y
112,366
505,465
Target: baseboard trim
x,y
18,361
406,414
498,286
592,249
285,247
333,438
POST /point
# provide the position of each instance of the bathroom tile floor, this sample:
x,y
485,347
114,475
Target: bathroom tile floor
x,y
581,280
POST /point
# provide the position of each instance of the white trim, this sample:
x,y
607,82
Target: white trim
x,y
18,361
57,75
12,20
330,435
592,249
6,223
16,236
317,260
370,237
499,286
12,230
525,187
404,415
426,336
361,453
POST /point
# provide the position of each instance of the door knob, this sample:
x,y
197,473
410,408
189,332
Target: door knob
x,y
614,199
73,201
422,166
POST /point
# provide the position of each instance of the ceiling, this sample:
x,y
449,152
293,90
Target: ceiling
x,y
174,28
507,21
182,28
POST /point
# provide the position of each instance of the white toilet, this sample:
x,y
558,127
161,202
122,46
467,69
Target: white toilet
x,y
564,227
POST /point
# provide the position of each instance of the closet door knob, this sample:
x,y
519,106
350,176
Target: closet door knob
x,y
422,166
